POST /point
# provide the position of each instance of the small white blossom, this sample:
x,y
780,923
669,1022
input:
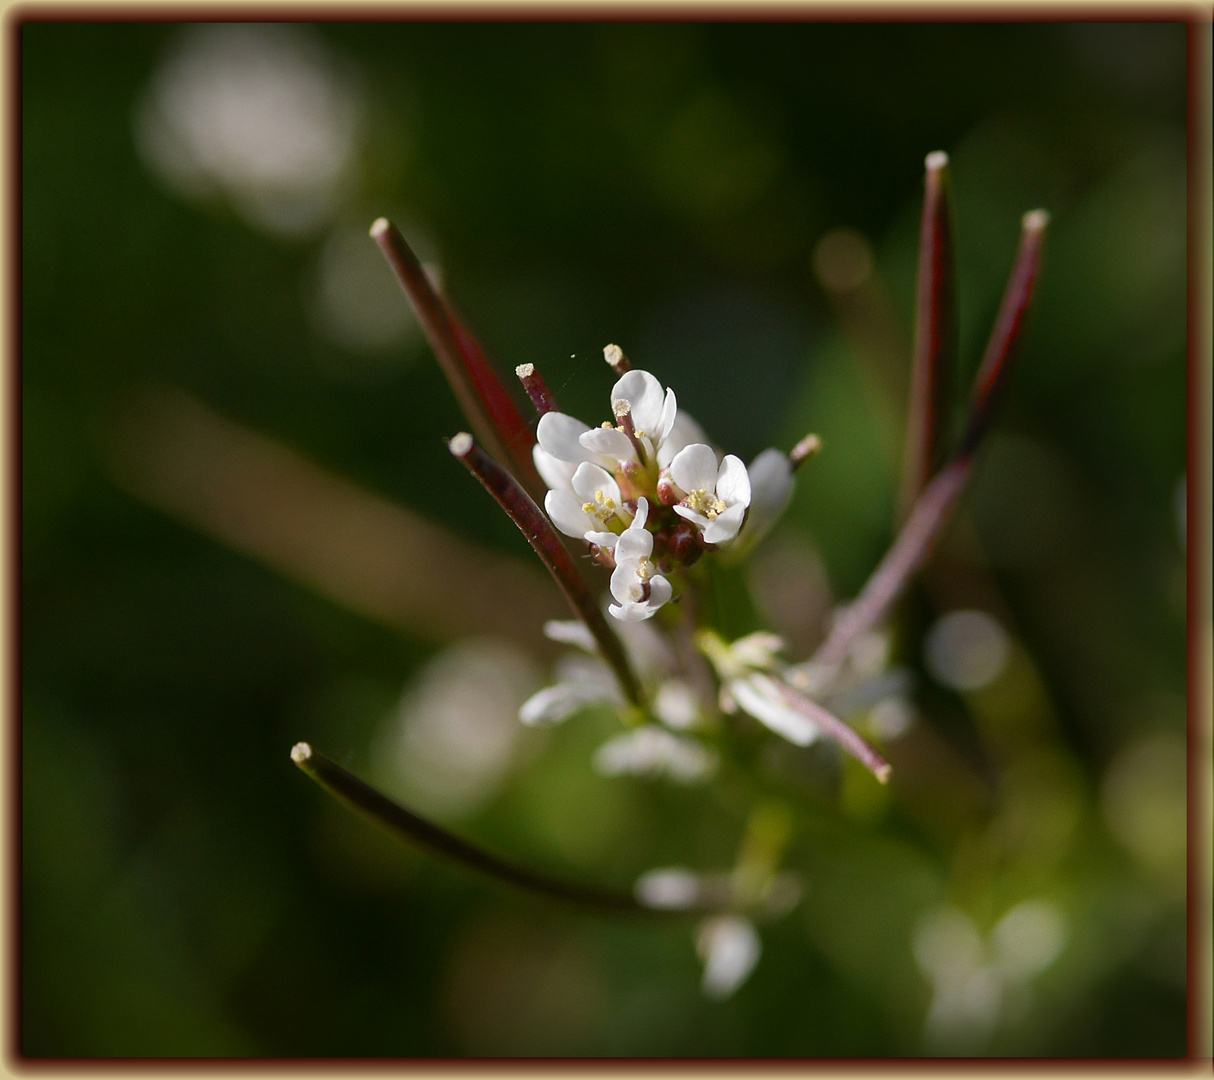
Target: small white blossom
x,y
715,497
730,948
635,583
652,751
590,508
653,415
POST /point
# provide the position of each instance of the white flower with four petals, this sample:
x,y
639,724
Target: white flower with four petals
x,y
715,497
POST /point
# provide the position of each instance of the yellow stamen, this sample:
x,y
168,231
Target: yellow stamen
x,y
703,503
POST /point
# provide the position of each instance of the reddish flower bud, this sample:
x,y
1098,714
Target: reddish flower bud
x,y
668,494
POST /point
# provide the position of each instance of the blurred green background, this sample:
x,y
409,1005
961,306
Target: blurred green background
x,y
225,404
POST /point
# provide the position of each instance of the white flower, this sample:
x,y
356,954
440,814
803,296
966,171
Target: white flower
x,y
730,948
591,506
652,751
637,586
653,415
715,498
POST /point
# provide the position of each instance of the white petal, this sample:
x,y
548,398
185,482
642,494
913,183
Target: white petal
x,y
567,514
660,591
730,949
608,442
556,703
753,695
694,516
625,583
554,472
603,539
630,612
642,514
670,410
570,632
633,545
590,478
644,394
694,468
651,751
724,527
558,435
684,432
733,483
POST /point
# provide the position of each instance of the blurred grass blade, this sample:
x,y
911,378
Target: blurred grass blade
x,y
360,796
992,377
535,526
935,350
491,411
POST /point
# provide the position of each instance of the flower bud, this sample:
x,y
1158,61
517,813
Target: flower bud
x,y
685,543
668,493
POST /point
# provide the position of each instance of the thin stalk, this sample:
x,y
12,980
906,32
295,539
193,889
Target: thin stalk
x,y
835,730
907,554
616,359
404,824
537,389
933,509
935,348
492,412
805,449
540,534
992,377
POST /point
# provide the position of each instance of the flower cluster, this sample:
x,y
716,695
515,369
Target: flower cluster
x,y
648,492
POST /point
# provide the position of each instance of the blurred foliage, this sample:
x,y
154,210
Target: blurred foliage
x,y
187,892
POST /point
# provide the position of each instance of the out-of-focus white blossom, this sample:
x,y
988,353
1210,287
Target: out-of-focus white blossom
x,y
974,980
652,751
771,487
262,115
757,695
676,705
581,681
670,888
729,946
